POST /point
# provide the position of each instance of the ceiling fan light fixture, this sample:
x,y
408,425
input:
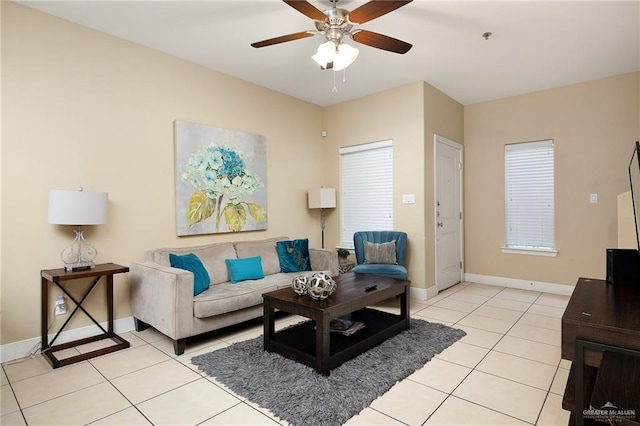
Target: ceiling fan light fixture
x,y
345,56
337,24
325,54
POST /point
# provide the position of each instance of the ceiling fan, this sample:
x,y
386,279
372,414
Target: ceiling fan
x,y
336,24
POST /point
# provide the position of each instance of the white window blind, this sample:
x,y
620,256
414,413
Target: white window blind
x,y
529,196
367,189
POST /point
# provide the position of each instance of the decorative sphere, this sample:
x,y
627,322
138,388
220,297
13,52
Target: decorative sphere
x,y
320,286
299,285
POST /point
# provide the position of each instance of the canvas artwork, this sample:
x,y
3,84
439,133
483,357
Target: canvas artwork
x,y
221,180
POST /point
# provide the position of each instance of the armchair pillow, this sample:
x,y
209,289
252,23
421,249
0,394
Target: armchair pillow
x,y
384,253
294,255
248,268
191,262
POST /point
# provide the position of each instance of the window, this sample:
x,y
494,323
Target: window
x,y
367,189
529,198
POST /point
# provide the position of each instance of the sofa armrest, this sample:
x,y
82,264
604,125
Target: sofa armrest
x,y
162,297
324,260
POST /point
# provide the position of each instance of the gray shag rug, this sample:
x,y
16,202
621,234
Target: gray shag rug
x,y
297,394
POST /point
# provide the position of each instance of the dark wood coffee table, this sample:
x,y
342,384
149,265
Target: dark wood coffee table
x,y
311,342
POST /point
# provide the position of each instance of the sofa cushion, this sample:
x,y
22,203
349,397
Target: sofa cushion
x,y
266,249
190,262
212,256
227,297
294,255
249,268
286,278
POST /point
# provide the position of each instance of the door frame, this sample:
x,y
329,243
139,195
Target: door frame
x,y
441,139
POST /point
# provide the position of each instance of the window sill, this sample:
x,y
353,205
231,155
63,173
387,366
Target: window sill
x,y
530,252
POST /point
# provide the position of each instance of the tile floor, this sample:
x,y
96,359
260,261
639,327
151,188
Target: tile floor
x,y
507,370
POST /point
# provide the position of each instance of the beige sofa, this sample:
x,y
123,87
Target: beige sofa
x,y
162,296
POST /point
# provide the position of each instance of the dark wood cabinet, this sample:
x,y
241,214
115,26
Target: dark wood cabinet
x,y
601,318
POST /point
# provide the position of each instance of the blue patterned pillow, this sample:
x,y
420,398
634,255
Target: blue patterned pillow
x,y
380,253
190,262
294,255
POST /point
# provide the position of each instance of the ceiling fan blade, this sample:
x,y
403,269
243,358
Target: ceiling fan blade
x,y
381,41
374,9
284,38
307,9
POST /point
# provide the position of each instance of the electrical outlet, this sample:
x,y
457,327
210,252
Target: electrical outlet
x,y
61,306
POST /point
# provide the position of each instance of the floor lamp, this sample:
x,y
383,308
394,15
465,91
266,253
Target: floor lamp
x,y
322,198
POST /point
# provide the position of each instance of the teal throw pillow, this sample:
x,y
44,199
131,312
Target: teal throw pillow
x,y
294,255
190,262
248,268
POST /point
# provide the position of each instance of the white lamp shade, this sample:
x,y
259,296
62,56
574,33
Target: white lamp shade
x,y
325,54
77,207
346,56
322,198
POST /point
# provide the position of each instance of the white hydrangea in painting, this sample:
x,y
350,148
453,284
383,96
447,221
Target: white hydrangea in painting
x,y
225,194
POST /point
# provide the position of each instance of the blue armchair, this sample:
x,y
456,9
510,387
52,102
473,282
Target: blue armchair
x,y
397,270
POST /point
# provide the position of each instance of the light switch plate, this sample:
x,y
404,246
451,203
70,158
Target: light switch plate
x,y
408,199
593,198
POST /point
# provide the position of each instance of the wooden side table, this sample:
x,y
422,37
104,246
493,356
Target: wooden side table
x,y
56,276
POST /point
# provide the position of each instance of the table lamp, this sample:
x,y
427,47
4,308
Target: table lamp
x,y
78,208
322,198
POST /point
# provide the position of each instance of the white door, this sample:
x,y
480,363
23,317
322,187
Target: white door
x,y
449,242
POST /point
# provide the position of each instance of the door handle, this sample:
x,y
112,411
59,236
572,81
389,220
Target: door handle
x,y
440,224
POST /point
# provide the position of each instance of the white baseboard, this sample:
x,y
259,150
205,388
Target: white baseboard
x,y
418,293
432,292
552,288
23,348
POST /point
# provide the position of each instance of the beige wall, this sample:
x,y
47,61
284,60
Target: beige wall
x,y
83,108
445,117
593,125
409,115
626,222
395,114
1,209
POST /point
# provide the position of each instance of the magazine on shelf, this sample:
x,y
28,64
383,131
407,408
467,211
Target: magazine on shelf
x,y
344,326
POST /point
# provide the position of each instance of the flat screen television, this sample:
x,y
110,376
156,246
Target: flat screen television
x,y
634,182
623,265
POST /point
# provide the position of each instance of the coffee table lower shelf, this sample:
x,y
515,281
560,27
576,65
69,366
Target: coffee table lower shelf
x,y
299,342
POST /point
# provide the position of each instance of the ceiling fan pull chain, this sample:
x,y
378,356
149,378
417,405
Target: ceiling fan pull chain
x,y
335,89
344,75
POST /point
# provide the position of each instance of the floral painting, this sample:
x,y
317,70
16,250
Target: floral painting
x,y
220,180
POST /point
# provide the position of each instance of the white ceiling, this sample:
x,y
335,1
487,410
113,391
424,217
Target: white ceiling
x,y
535,45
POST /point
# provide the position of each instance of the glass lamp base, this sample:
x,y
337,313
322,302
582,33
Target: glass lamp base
x,y
78,255
78,266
